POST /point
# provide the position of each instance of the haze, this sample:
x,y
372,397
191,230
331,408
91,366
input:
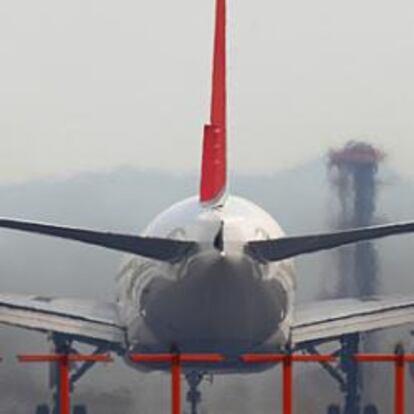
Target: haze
x,y
91,85
31,264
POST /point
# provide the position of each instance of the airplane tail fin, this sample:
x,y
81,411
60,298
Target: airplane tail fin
x,y
214,162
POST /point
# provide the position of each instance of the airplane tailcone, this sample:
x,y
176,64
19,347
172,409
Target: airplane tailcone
x,y
220,305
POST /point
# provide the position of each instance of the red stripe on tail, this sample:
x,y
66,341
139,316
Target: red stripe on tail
x,y
218,101
213,175
214,168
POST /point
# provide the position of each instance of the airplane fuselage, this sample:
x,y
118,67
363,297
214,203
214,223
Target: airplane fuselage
x,y
216,300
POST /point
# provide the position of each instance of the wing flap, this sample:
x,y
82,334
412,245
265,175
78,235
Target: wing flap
x,y
88,319
334,318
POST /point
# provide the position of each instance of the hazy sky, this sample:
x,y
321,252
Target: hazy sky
x,y
95,84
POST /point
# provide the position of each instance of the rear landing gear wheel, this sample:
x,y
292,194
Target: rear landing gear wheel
x,y
194,380
43,409
200,411
370,409
333,409
80,409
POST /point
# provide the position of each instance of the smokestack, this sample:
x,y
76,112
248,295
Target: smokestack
x,y
353,173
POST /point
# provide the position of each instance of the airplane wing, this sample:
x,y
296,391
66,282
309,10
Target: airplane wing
x,y
332,319
82,319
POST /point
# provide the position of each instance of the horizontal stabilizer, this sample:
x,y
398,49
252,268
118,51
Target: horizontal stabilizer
x,y
287,247
167,250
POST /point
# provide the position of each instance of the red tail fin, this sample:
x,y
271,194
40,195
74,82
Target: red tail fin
x,y
214,168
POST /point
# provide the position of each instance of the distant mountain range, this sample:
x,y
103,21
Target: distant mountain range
x,y
301,199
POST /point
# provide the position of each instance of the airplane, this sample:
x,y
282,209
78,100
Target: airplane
x,y
213,273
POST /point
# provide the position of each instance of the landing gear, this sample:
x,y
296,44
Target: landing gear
x,y
63,345
370,409
352,376
347,375
333,409
43,409
194,379
80,409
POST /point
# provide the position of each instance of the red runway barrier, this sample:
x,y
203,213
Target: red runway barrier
x,y
64,361
176,361
287,360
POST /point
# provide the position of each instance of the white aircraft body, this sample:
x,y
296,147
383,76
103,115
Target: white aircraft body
x,y
217,299
213,273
